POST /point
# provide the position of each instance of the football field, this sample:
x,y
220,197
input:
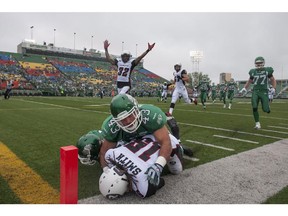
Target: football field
x,y
32,130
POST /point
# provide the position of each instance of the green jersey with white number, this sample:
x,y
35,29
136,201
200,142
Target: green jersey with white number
x,y
153,118
222,87
232,86
260,77
203,86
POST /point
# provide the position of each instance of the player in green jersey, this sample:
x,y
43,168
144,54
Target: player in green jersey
x,y
223,90
132,121
213,92
204,87
260,76
231,87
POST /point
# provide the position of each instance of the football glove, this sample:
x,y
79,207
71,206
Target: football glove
x,y
153,174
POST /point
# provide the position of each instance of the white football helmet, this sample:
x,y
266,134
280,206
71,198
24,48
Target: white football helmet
x,y
179,65
113,183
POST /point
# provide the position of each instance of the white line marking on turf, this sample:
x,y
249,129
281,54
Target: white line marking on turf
x,y
191,158
98,105
237,139
67,107
228,130
283,124
280,132
231,114
278,127
210,145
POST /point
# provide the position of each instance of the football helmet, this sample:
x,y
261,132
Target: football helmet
x,y
165,83
179,65
259,62
232,80
125,55
113,183
125,111
89,146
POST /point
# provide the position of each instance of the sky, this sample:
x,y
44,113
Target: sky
x,y
230,41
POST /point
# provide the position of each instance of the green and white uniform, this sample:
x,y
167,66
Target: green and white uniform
x,y
204,88
223,89
260,78
153,118
214,92
231,87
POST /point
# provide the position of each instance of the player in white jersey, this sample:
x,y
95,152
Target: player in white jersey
x,y
125,66
271,93
164,88
137,156
180,78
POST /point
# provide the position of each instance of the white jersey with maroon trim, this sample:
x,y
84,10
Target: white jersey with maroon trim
x,y
124,69
179,83
137,156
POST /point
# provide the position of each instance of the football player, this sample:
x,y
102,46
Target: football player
x,y
129,121
9,87
180,78
260,76
271,93
204,88
214,92
165,87
133,158
125,66
231,87
223,90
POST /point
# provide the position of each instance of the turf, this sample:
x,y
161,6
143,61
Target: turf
x,y
34,128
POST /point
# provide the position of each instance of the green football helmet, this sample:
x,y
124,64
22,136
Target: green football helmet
x,y
259,62
125,111
89,147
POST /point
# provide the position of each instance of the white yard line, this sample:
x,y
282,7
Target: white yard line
x,y
273,131
278,127
283,124
96,105
230,114
228,130
210,145
67,107
191,158
237,139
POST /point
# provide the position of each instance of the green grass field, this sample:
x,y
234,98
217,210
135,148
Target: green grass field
x,y
34,129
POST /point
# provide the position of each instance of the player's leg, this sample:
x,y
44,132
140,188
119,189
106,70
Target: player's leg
x,y
175,96
165,96
255,102
123,90
175,163
185,96
231,96
265,102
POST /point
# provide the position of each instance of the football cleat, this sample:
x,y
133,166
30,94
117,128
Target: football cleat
x,y
257,126
187,151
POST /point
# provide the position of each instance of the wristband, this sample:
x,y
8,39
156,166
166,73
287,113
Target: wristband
x,y
161,160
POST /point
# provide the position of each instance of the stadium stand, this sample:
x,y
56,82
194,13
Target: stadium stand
x,y
46,73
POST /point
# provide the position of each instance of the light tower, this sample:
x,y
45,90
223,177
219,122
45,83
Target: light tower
x,y
196,56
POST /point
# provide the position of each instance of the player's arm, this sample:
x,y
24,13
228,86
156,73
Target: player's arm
x,y
273,82
138,59
104,148
108,57
184,76
162,137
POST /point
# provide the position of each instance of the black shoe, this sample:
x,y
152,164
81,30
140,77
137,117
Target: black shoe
x,y
187,151
161,184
